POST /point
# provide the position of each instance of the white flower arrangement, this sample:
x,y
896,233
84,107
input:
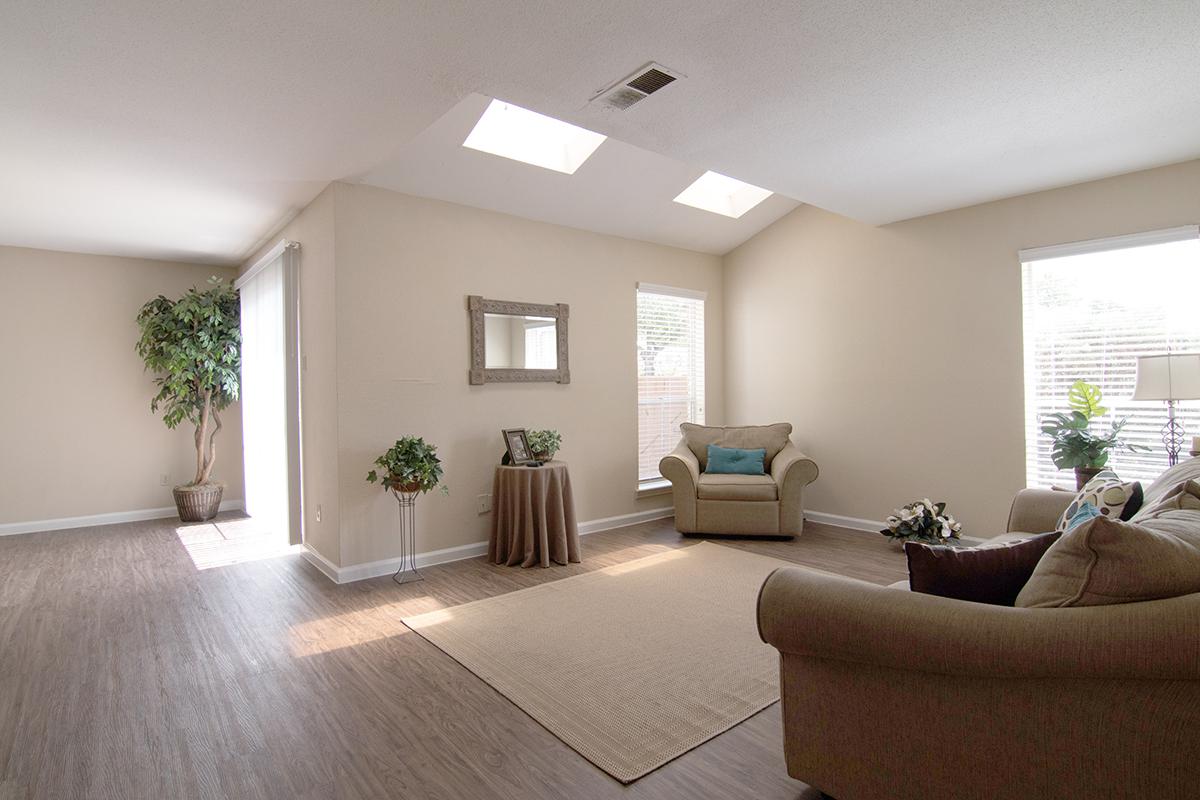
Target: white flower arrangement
x,y
922,521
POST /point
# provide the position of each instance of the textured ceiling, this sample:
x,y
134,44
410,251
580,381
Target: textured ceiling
x,y
191,130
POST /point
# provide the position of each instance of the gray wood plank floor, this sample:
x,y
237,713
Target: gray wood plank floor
x,y
126,672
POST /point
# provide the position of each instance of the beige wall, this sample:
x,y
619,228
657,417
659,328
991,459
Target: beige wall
x,y
77,436
405,267
896,351
313,228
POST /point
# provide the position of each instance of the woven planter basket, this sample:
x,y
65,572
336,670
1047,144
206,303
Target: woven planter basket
x,y
198,503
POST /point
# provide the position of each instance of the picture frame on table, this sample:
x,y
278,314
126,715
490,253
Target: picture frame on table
x,y
517,443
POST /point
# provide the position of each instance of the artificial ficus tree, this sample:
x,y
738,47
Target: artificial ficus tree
x,y
193,346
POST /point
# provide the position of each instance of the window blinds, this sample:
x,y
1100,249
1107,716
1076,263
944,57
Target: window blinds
x,y
1090,308
670,364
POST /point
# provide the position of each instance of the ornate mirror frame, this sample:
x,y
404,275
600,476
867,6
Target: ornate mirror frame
x,y
478,306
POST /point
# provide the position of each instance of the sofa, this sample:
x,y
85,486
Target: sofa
x,y
888,693
757,505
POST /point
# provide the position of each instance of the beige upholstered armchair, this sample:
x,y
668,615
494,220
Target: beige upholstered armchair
x,y
764,505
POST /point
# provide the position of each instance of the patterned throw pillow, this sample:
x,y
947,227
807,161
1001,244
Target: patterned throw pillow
x,y
1112,497
1086,512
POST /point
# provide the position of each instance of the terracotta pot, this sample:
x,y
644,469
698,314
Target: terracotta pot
x,y
1085,474
198,503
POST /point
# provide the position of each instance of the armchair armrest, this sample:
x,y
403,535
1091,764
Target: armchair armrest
x,y
826,616
680,464
682,469
792,471
1037,510
792,466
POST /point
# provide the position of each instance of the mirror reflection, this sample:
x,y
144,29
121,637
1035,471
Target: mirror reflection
x,y
519,342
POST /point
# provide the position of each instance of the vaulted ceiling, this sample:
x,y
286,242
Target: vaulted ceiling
x,y
192,130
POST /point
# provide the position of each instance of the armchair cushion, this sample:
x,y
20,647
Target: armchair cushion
x,y
719,486
771,438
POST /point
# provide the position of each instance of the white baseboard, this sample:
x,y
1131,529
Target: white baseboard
x,y
320,562
114,518
853,523
623,520
387,566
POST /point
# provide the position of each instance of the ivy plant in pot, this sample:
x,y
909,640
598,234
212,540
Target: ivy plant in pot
x,y
193,347
544,444
410,466
1075,446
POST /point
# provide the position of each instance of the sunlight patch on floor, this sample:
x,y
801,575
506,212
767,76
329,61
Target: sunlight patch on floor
x,y
668,554
356,627
236,541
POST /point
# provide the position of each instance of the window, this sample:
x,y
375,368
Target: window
x,y
1090,309
670,354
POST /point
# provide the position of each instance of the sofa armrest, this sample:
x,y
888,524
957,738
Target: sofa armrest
x,y
830,617
1037,510
682,469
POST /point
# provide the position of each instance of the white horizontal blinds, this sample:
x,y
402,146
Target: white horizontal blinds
x,y
670,364
1088,314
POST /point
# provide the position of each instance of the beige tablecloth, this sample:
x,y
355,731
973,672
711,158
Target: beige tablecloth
x,y
533,516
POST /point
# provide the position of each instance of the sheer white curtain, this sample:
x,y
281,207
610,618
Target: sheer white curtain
x,y
264,395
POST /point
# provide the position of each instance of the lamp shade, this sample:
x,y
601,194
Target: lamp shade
x,y
1170,376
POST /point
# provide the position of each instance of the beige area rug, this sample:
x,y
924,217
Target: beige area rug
x,y
631,665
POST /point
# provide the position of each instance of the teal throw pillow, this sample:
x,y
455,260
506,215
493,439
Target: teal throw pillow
x,y
734,461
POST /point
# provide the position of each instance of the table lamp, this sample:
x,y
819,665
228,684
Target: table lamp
x,y
1171,377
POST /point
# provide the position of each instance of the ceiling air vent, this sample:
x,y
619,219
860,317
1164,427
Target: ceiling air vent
x,y
636,87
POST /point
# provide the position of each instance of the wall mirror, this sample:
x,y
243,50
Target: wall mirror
x,y
517,342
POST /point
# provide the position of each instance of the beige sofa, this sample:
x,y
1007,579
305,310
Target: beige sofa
x,y
764,505
894,694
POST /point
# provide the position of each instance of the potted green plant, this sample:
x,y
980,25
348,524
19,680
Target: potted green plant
x,y
544,444
1075,446
193,346
410,466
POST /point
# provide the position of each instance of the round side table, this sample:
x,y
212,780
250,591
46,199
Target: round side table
x,y
533,516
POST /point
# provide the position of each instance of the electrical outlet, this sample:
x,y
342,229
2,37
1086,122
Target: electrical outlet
x,y
164,479
484,503
318,513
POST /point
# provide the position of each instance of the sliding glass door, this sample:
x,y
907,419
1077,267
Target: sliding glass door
x,y
270,391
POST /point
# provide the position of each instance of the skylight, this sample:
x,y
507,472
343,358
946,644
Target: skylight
x,y
721,194
523,135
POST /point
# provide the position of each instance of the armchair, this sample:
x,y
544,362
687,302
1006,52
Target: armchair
x,y
764,505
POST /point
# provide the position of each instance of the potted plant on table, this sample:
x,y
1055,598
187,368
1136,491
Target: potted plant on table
x,y
544,444
193,345
1075,446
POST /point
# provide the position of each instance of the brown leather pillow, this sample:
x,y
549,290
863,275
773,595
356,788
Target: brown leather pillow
x,y
992,574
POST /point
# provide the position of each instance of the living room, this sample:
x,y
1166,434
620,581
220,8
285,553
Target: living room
x,y
794,277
